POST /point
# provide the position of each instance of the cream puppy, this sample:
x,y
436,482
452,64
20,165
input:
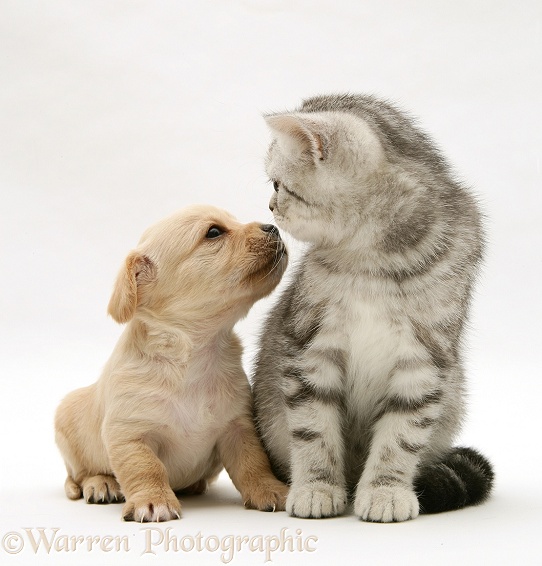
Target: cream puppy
x,y
173,405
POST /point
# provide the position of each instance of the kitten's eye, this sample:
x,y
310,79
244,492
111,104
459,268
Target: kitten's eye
x,y
276,186
214,232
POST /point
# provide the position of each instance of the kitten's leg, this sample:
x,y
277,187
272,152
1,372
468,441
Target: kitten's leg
x,y
402,429
314,397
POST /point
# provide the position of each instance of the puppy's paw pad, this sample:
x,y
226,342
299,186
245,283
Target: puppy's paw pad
x,y
145,509
267,496
102,489
386,504
316,500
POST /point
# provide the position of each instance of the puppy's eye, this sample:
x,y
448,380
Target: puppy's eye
x,y
276,186
214,232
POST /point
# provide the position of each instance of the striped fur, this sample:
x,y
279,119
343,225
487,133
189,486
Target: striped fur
x,y
359,382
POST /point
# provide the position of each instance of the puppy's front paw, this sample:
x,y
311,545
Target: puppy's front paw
x,y
145,508
386,504
101,489
316,500
268,495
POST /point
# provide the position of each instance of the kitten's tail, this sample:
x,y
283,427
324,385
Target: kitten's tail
x,y
464,477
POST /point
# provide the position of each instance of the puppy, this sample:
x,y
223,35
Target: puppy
x,y
173,405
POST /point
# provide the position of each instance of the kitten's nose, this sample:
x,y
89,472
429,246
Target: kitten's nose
x,y
271,230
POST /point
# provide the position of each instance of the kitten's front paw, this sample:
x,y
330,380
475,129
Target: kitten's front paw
x,y
386,504
316,500
144,508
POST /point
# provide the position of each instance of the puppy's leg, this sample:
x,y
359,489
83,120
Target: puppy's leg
x,y
77,435
248,467
143,480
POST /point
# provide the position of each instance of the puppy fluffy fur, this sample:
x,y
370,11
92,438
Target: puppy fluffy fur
x,y
173,404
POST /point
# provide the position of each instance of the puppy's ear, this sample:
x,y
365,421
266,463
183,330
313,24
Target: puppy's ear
x,y
138,270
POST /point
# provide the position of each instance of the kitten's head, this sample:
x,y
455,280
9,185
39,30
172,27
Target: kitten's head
x,y
322,165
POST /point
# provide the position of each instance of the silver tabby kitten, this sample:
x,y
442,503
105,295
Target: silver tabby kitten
x,y
358,383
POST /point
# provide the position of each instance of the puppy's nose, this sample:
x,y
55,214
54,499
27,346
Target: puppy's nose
x,y
270,229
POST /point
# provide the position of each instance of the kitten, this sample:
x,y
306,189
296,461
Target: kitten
x,y
358,383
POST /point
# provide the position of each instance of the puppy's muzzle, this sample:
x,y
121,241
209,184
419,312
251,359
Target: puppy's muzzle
x,y
271,230
274,234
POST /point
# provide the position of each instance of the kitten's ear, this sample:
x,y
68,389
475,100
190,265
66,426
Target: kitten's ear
x,y
298,133
138,270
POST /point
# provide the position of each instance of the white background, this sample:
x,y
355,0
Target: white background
x,y
115,114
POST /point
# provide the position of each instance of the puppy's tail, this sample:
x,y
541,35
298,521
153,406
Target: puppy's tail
x,y
463,477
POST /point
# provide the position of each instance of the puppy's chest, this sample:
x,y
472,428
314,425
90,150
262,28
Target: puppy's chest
x,y
210,409
201,406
